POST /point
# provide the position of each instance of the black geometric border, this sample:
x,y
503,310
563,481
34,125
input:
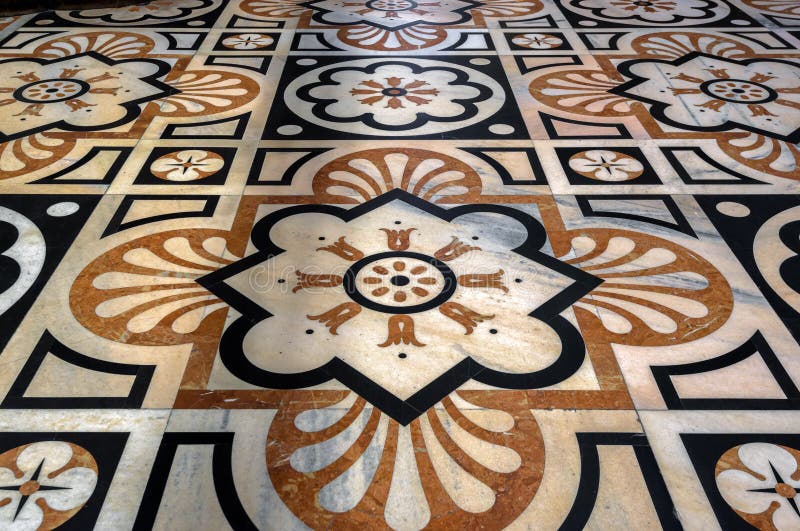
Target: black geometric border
x,y
50,345
589,483
755,345
222,474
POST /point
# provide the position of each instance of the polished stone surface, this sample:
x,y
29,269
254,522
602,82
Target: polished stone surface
x,y
479,264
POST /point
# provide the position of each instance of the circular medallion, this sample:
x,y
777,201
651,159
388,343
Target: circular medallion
x,y
51,90
400,282
738,91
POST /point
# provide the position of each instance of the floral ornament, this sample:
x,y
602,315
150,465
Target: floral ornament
x,y
465,464
203,92
768,155
508,8
32,153
702,92
187,165
274,8
537,41
374,96
391,15
784,7
85,92
44,484
654,292
144,292
672,45
369,303
604,165
585,92
112,44
651,11
396,93
364,175
154,11
408,38
760,482
247,41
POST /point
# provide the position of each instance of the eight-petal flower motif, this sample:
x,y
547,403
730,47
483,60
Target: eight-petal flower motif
x,y
84,92
403,314
371,97
391,14
760,482
706,93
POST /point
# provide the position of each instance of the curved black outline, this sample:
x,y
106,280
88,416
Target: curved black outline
x,y
462,78
116,225
349,283
462,39
222,474
522,24
658,108
288,175
111,173
170,129
48,344
613,42
589,482
681,223
547,121
266,60
131,107
235,360
318,15
536,166
756,345
685,176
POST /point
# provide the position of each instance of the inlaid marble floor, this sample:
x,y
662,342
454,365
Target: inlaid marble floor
x,y
372,264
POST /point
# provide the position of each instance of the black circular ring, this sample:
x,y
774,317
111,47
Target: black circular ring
x,y
349,283
84,88
771,94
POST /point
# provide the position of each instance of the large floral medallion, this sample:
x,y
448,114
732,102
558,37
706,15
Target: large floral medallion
x,y
702,92
401,301
85,92
372,97
391,14
650,12
139,14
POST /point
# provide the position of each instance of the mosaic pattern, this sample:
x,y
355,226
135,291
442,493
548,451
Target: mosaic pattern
x,y
283,264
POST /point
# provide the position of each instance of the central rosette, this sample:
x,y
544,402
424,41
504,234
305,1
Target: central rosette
x,y
400,282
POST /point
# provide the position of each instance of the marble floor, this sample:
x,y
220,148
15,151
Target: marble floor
x,y
372,264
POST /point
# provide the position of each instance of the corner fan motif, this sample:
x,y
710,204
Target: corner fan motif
x,y
400,313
